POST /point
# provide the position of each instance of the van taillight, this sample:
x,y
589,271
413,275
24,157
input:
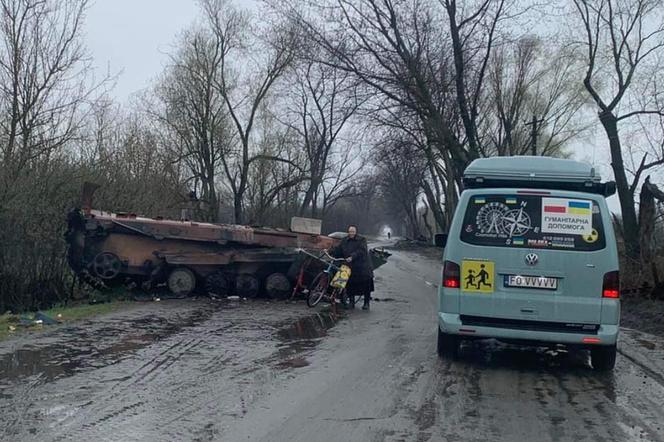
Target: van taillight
x,y
611,286
451,275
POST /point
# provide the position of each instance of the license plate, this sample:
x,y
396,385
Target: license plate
x,y
531,282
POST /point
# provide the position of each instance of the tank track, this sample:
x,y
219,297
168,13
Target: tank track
x,y
92,281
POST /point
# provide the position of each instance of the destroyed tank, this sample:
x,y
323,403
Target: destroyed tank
x,y
107,249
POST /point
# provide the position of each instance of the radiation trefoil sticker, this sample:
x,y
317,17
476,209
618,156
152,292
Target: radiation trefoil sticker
x,y
567,216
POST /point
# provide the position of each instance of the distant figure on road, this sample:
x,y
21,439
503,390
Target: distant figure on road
x,y
389,234
356,252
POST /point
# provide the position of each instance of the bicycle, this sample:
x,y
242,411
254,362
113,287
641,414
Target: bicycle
x,y
319,287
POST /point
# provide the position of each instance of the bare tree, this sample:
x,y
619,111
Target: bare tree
x,y
194,114
398,50
649,273
473,32
122,153
401,173
346,168
46,89
323,103
44,83
441,183
529,78
624,43
229,27
270,180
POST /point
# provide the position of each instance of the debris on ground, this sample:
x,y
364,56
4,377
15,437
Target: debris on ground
x,y
37,319
45,319
425,248
379,256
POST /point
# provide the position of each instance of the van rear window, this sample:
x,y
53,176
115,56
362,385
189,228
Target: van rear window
x,y
533,221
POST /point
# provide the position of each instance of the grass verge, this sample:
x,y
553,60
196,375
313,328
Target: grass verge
x,y
9,323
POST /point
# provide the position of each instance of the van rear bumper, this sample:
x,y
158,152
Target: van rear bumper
x,y
451,323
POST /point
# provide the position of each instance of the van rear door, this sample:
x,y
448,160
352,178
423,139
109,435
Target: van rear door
x,y
534,255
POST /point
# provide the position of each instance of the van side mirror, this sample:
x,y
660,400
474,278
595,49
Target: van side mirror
x,y
440,239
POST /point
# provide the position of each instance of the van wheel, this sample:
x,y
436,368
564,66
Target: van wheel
x,y
448,345
603,358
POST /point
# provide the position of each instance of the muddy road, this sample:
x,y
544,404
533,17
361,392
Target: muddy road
x,y
218,370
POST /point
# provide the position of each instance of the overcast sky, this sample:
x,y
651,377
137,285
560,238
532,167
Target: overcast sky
x,y
132,37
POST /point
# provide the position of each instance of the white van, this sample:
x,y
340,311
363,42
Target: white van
x,y
531,258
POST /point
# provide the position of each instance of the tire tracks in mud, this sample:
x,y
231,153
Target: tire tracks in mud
x,y
110,403
182,373
377,377
658,377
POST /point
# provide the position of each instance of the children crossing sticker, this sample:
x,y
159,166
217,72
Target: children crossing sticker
x,y
477,276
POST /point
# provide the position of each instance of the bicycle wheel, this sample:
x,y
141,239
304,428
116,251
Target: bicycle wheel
x,y
317,289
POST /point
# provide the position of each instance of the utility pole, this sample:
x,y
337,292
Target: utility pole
x,y
533,134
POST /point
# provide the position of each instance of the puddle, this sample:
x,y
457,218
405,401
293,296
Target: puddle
x,y
310,327
647,344
303,335
297,362
79,349
389,300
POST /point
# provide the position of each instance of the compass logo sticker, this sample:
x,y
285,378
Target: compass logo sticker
x,y
500,219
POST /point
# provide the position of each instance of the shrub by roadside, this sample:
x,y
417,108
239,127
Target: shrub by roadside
x,y
640,313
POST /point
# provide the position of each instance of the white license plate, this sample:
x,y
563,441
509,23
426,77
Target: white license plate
x,y
531,282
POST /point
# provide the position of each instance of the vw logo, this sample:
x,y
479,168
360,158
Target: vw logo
x,y
531,259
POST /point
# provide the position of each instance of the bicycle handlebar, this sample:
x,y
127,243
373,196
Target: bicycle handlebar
x,y
325,253
332,257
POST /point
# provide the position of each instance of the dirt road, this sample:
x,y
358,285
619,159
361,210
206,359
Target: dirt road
x,y
206,370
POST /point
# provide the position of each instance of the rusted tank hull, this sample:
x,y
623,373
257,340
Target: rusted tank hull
x,y
107,249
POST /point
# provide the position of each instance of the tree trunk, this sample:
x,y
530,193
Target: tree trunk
x,y
425,217
413,221
237,208
647,227
309,196
436,207
625,195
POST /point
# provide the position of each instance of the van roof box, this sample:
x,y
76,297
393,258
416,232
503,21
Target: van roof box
x,y
535,172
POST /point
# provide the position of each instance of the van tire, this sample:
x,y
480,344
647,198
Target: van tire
x,y
603,358
448,345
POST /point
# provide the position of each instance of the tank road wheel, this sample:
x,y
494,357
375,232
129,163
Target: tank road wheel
x,y
277,286
217,284
181,282
247,285
106,265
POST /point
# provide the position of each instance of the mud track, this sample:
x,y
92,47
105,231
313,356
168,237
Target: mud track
x,y
198,369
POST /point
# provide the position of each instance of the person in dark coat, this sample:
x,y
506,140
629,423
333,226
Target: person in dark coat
x,y
356,252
